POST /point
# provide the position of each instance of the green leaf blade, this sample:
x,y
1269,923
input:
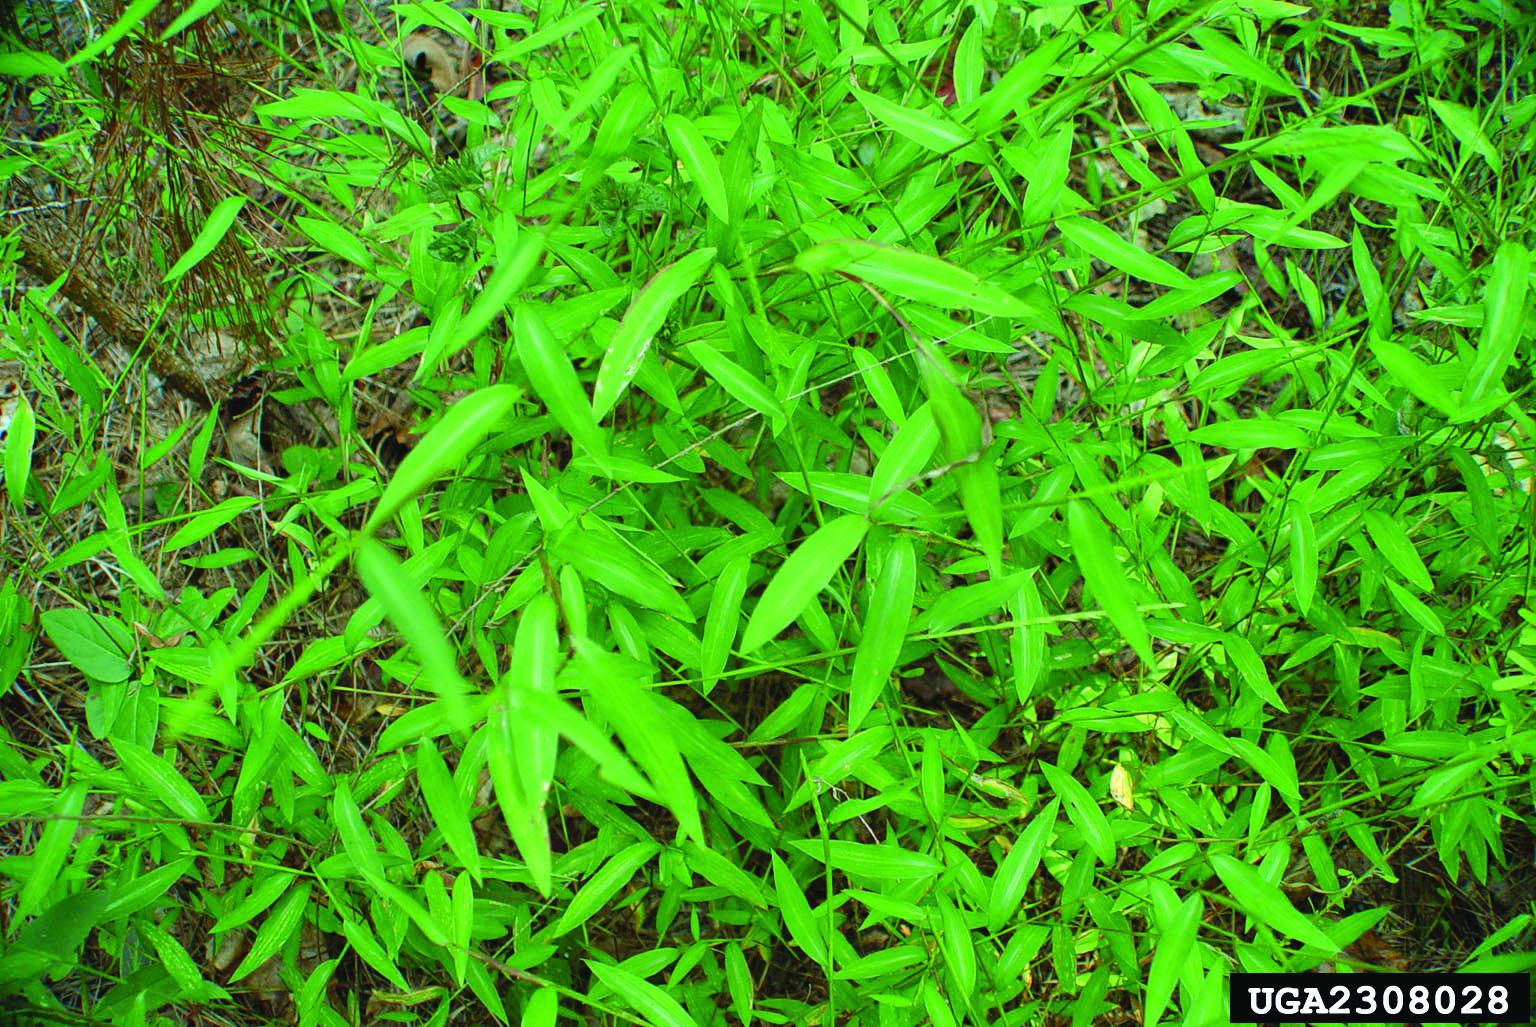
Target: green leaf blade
x,y
797,582
641,322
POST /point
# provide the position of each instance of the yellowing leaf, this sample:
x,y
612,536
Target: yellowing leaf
x,y
1122,789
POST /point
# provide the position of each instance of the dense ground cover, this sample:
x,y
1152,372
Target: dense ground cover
x,y
783,512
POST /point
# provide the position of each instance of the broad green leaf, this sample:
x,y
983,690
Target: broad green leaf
x,y
699,161
535,659
178,964
372,953
554,379
803,929
1464,125
959,952
881,963
847,755
880,862
801,577
193,12
956,416
641,322
206,523
738,382
51,854
544,710
1083,811
444,448
941,1012
721,871
1368,281
161,780
594,85
1363,142
1046,165
264,891
930,131
1240,63
1280,773
20,63
197,452
906,457
738,978
885,629
1028,642
98,646
337,240
960,432
724,619
1249,665
1092,544
209,236
509,731
931,781
605,884
1505,313
1426,618
542,1008
621,126
1018,91
487,990
544,35
425,922
878,381
1174,944
438,15
969,603
449,810
913,276
1256,433
523,746
1303,557
1013,875
276,929
454,330
616,567
1103,244
355,838
651,1002
144,890
18,451
646,732
1266,903
416,620
1419,378
1393,542
981,496
1441,785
